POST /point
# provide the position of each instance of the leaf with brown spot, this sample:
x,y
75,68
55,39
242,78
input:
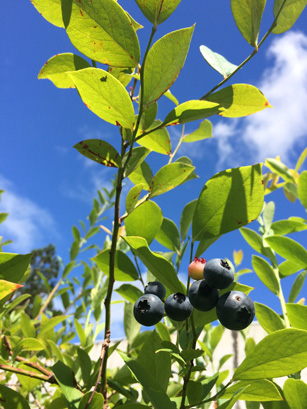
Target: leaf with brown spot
x,y
99,151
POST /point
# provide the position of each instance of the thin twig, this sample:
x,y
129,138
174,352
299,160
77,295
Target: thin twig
x,y
104,348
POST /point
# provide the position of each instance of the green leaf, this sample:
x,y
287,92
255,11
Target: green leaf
x,y
157,11
142,174
50,10
278,167
261,390
287,268
204,131
150,382
168,235
194,392
49,325
266,274
186,218
81,333
301,160
237,395
136,159
131,326
159,365
168,177
129,292
248,15
229,200
124,268
157,141
28,344
217,61
204,245
239,100
295,392
283,227
133,197
191,111
99,151
85,363
96,403
7,288
56,68
171,97
287,14
11,399
162,269
102,31
302,188
268,319
105,95
13,266
288,249
164,62
297,315
268,214
297,286
67,383
3,217
281,353
144,221
148,117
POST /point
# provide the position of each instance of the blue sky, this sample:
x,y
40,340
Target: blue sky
x,y
49,186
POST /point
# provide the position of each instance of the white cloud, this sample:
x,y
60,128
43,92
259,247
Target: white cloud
x,y
276,131
27,224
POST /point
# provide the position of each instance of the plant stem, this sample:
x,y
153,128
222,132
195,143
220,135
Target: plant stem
x,y
24,372
171,157
249,57
282,300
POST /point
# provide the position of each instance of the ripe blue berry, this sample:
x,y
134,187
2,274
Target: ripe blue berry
x,y
178,307
218,273
202,296
235,310
157,288
148,310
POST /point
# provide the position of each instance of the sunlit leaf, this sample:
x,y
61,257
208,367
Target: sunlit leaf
x,y
239,100
268,319
287,12
281,353
168,177
102,31
217,61
158,265
104,95
248,15
295,391
260,390
229,200
99,151
56,68
164,62
204,131
124,268
144,221
266,274
157,11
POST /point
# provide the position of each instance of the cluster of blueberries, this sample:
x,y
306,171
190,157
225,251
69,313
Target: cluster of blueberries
x,y
235,310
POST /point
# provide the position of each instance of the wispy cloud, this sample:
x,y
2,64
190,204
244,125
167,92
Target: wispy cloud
x,y
277,131
28,225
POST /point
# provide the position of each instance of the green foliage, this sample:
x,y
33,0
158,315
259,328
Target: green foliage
x,y
173,365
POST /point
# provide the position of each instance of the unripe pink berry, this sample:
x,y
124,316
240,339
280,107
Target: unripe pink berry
x,y
196,268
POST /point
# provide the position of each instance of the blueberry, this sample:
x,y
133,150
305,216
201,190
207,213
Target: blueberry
x,y
196,268
235,310
148,310
157,288
178,307
202,296
218,273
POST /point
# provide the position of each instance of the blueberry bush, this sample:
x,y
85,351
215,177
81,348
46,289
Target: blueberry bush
x,y
45,359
